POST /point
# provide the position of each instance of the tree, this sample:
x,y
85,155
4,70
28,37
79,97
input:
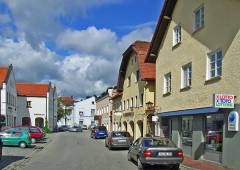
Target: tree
x,y
64,109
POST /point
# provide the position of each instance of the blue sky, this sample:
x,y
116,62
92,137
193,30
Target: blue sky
x,y
72,43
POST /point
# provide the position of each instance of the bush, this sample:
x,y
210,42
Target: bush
x,y
45,128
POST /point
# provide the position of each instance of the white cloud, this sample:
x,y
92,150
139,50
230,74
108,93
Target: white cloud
x,y
90,71
40,18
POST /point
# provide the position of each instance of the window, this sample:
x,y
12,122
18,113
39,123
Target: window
x,y
129,81
124,105
93,102
214,64
29,104
141,100
135,59
127,103
186,76
176,35
131,102
167,83
136,103
198,18
137,76
132,61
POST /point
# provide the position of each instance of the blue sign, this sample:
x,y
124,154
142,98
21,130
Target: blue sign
x,y
233,121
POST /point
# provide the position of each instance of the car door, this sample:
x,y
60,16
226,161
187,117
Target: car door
x,y
134,149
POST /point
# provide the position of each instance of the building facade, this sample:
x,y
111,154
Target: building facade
x,y
104,109
136,81
197,54
37,104
8,97
84,111
116,111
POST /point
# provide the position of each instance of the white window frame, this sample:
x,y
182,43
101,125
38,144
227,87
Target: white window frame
x,y
167,83
186,75
197,26
216,64
177,35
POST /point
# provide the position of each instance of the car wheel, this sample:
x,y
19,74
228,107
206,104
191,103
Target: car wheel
x,y
140,165
33,140
22,145
175,167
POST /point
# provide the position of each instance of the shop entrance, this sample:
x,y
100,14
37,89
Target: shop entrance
x,y
214,137
132,130
39,122
125,126
140,128
186,135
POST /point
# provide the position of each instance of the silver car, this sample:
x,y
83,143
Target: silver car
x,y
75,129
155,151
118,139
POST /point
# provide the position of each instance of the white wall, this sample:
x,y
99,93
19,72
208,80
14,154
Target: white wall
x,y
84,106
38,108
9,109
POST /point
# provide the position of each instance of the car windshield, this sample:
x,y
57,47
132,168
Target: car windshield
x,y
158,143
102,128
120,134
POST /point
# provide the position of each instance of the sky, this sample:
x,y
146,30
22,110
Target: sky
x,y
75,44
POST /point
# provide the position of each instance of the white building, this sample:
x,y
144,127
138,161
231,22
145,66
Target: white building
x,y
8,96
84,111
37,103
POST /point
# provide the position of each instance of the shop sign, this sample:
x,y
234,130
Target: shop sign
x,y
233,121
223,101
39,114
154,118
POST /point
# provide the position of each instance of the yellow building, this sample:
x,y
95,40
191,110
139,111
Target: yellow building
x,y
136,81
196,48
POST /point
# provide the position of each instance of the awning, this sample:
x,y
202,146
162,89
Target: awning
x,y
189,112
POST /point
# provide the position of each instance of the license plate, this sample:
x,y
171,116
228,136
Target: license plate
x,y
164,153
121,141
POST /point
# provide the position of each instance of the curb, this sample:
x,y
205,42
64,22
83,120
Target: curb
x,y
188,168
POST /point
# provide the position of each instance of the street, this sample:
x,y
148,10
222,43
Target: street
x,y
74,151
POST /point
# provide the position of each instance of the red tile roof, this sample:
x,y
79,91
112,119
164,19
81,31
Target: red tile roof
x,y
67,99
3,75
32,90
147,70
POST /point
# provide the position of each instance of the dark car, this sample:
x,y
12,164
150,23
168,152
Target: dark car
x,y
99,132
63,128
155,151
1,144
118,139
75,129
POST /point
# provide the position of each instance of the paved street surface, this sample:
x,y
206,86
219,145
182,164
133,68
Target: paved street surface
x,y
74,151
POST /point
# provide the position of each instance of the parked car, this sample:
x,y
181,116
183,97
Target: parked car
x,y
75,129
118,139
36,133
1,148
99,132
84,127
155,151
15,138
63,128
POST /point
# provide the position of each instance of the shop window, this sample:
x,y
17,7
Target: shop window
x,y
214,132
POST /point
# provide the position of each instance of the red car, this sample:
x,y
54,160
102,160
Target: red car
x,y
35,132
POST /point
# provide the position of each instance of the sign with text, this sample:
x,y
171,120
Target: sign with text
x,y
233,121
223,101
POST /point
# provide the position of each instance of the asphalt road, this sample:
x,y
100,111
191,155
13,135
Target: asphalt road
x,y
77,151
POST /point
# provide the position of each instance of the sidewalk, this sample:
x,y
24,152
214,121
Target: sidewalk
x,y
202,165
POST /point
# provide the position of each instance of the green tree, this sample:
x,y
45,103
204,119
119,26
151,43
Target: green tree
x,y
64,109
